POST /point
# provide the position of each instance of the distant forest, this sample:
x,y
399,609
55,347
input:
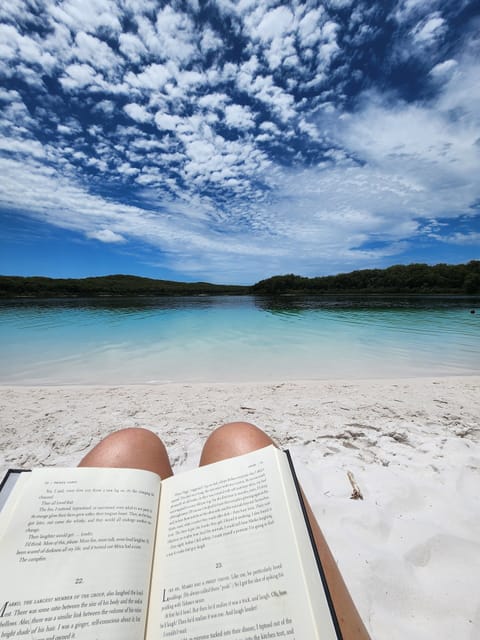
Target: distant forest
x,y
116,285
402,279
399,279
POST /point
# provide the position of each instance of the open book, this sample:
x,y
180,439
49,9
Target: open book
x,y
222,551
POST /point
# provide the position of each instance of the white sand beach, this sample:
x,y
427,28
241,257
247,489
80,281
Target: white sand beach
x,y
409,551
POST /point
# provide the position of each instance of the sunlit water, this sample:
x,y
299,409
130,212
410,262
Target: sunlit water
x,y
235,339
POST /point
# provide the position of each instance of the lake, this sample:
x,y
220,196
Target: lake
x,y
244,338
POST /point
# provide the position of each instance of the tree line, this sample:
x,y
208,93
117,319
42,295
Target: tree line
x,y
115,285
402,279
399,279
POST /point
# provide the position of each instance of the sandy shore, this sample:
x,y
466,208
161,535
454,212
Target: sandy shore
x,y
410,551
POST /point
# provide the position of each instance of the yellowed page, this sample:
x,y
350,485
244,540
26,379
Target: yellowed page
x,y
75,554
227,564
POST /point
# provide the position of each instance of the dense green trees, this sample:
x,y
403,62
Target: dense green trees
x,y
403,279
412,278
117,285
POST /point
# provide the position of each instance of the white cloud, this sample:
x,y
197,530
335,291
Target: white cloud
x,y
431,160
438,136
310,129
69,128
15,10
427,31
9,95
106,235
61,202
210,41
94,51
275,23
186,80
271,127
15,118
167,122
58,42
239,117
15,46
79,76
131,46
421,31
154,77
443,69
406,10
126,169
137,112
264,89
340,4
31,148
460,97
213,100
87,15
172,38
471,237
210,158
272,35
309,30
327,46
417,162
107,106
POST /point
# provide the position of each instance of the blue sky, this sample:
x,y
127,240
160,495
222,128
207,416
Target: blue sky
x,y
231,141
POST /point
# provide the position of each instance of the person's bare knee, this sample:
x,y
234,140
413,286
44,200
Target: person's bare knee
x,y
233,439
132,448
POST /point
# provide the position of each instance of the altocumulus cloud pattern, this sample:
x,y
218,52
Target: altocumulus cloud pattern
x,y
234,140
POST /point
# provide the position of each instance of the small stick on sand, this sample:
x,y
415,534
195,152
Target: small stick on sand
x,y
356,493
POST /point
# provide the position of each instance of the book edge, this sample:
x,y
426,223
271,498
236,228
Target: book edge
x,y
314,547
5,478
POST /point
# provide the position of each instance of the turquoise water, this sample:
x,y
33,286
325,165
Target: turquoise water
x,y
235,339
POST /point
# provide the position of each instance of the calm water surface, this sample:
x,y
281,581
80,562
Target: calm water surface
x,y
235,339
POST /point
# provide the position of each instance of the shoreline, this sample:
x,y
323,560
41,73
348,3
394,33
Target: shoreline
x,y
361,378
409,552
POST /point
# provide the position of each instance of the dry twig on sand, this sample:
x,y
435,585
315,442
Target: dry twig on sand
x,y
356,493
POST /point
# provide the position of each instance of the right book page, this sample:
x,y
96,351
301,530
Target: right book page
x,y
233,557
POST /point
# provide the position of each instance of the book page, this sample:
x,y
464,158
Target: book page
x,y
76,550
227,564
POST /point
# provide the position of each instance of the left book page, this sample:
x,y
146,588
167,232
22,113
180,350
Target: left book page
x,y
76,550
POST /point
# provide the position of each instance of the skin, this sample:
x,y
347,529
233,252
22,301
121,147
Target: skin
x,y
142,449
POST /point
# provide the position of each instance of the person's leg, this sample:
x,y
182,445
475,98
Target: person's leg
x,y
233,439
237,438
131,449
